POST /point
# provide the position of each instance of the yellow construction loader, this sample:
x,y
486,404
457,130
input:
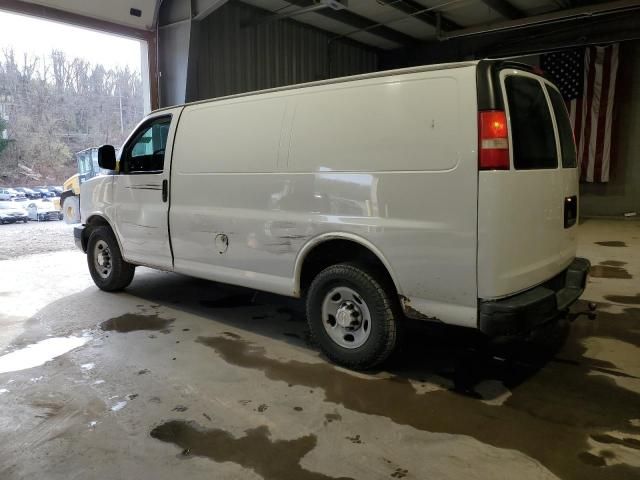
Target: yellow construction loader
x,y
69,201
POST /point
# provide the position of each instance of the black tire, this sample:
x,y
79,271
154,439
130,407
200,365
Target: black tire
x,y
384,312
120,273
70,205
25,220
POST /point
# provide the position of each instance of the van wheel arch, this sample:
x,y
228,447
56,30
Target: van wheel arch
x,y
92,223
336,250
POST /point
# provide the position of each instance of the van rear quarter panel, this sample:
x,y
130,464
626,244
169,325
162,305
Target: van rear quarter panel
x,y
391,161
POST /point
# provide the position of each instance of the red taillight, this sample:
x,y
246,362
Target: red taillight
x,y
493,141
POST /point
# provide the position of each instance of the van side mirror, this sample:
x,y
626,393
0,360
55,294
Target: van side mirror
x,y
107,157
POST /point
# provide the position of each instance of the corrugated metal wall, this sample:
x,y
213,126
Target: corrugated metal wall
x,y
236,55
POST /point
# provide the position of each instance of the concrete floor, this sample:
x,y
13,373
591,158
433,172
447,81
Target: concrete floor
x,y
181,378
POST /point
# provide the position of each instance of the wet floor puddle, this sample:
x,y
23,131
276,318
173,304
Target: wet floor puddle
x,y
612,243
131,322
255,450
550,417
613,263
609,271
39,353
628,299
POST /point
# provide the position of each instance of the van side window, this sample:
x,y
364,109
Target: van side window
x,y
567,145
532,136
145,152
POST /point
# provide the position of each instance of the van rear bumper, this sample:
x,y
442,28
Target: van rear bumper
x,y
522,313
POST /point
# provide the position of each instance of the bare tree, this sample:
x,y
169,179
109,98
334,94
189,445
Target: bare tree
x,y
56,106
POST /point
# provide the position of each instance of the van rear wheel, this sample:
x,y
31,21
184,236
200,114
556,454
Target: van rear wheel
x,y
352,316
107,267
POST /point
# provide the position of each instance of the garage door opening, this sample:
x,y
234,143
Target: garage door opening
x,y
63,92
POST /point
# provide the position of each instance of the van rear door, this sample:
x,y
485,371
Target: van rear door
x,y
527,210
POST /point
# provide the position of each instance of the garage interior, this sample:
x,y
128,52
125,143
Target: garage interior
x,y
183,377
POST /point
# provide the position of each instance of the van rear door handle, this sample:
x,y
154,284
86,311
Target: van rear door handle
x,y
165,190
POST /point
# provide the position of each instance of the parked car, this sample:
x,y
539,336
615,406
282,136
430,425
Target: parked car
x,y
44,192
7,193
29,193
462,209
6,218
14,210
17,193
55,191
42,210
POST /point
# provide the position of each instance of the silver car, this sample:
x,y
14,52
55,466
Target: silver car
x,y
14,210
7,193
4,218
42,210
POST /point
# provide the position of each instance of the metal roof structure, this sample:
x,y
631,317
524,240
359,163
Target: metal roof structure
x,y
384,24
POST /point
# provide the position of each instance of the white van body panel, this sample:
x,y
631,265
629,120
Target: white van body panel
x,y
374,159
522,241
388,161
513,256
97,199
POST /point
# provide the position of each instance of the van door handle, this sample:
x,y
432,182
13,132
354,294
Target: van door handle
x,y
165,190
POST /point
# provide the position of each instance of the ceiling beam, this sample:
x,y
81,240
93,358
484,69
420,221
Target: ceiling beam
x,y
505,8
201,9
549,19
359,23
410,7
50,13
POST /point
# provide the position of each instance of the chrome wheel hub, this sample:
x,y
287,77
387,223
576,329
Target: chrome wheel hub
x,y
102,258
346,317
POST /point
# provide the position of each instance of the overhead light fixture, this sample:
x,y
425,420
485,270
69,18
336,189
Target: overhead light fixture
x,y
316,6
335,4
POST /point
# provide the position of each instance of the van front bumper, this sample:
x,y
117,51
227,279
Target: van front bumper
x,y
78,237
522,313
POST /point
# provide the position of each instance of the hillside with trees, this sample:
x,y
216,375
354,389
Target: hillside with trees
x,y
52,107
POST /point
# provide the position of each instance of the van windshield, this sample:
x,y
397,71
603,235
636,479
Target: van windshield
x,y
532,136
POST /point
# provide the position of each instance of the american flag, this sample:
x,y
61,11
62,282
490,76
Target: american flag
x,y
587,80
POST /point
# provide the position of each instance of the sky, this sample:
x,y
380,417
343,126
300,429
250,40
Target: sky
x,y
38,37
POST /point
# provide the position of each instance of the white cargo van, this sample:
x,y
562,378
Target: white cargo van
x,y
446,193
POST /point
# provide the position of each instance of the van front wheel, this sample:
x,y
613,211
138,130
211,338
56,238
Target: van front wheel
x,y
106,265
352,317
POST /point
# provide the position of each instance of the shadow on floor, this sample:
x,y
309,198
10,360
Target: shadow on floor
x,y
459,357
545,397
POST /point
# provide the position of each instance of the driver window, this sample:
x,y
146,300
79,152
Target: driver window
x,y
145,153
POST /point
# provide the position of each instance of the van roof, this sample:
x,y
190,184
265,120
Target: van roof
x,y
352,78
